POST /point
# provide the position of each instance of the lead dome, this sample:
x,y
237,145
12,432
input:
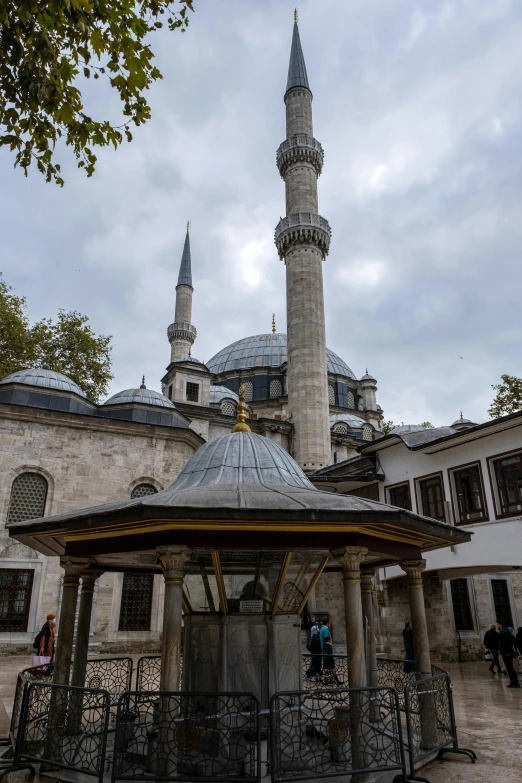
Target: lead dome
x,y
143,396
45,378
266,350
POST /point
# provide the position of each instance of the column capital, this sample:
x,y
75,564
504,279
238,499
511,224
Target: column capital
x,y
89,578
367,583
414,569
350,557
172,560
74,567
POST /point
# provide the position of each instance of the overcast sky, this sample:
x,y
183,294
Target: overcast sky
x,y
418,105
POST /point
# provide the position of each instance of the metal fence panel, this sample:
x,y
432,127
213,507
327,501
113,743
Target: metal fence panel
x,y
338,678
34,674
64,727
334,733
109,674
148,673
187,736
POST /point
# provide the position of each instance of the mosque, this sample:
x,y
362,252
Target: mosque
x,y
60,452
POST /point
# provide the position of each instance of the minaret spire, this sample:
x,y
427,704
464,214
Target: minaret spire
x,y
303,240
181,333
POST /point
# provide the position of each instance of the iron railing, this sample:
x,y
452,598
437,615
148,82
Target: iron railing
x,y
109,674
335,733
430,721
33,674
183,736
148,673
338,678
65,727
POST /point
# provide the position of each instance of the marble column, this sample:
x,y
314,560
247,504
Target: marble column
x,y
73,567
421,645
350,558
81,649
421,648
172,559
367,596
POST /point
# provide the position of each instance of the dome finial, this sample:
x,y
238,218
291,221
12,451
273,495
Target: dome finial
x,y
461,416
296,15
241,425
366,371
143,383
273,324
188,226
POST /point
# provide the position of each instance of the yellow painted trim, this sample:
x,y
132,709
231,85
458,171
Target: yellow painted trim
x,y
312,584
351,581
279,583
185,603
216,562
173,581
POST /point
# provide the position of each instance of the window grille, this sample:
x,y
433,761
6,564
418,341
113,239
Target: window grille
x,y
136,602
28,496
351,400
228,408
331,395
248,391
15,598
367,433
508,472
341,429
502,603
468,488
432,496
461,605
192,392
276,390
400,496
142,490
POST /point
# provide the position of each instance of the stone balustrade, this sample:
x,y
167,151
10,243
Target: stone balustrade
x,y
300,148
303,228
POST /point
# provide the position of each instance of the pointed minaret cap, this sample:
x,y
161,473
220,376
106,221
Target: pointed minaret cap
x,y
185,269
297,76
143,383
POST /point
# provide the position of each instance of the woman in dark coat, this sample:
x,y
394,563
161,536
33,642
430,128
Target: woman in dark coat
x,y
45,638
316,652
508,652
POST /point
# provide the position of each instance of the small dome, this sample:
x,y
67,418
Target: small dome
x,y
141,397
266,350
347,418
368,377
188,359
219,393
403,428
44,378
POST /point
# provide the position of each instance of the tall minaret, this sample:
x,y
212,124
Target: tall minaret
x,y
303,240
181,333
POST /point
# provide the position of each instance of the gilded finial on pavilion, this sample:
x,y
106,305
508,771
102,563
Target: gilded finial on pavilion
x,y
461,416
143,383
241,425
188,226
273,324
296,15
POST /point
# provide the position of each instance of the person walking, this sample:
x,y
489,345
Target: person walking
x,y
329,674
518,640
491,642
324,631
315,650
409,653
508,652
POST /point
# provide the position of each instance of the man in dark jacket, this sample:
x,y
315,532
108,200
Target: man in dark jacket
x,y
507,650
491,641
315,669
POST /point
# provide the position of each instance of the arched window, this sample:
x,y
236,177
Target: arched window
x,y
331,395
142,490
228,408
276,390
341,428
367,433
28,496
248,391
351,400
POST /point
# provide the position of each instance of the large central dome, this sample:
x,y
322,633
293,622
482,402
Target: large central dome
x,y
265,350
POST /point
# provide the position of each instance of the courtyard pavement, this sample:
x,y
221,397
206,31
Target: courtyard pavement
x,y
489,719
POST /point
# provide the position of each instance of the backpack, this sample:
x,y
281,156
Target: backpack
x,y
36,643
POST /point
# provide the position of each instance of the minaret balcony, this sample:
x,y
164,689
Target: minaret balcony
x,y
300,148
303,228
181,331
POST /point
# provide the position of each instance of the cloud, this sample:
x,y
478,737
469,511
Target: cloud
x,y
420,113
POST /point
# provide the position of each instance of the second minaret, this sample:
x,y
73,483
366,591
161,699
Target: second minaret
x,y
303,240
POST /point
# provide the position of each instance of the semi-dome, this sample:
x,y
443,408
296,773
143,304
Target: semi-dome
x,y
347,418
140,396
220,393
266,350
44,378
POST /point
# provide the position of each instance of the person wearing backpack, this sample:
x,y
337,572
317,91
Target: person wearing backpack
x,y
314,647
44,640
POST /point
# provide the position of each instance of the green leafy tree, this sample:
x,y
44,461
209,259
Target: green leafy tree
x,y
46,45
508,397
68,345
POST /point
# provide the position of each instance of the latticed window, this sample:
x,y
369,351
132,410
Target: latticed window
x,y
136,602
432,496
341,429
28,496
461,605
228,408
400,496
367,433
248,391
503,614
142,490
331,395
192,394
276,389
15,598
350,400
